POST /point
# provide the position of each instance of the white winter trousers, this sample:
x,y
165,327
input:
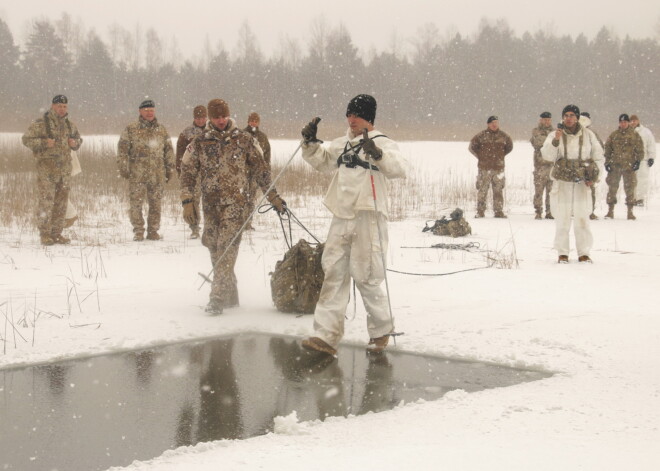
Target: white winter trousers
x,y
571,202
642,175
353,250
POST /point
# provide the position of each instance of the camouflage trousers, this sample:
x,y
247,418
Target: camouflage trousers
x,y
221,224
486,179
137,193
629,183
197,194
542,184
51,207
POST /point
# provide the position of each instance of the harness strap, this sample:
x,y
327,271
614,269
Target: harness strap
x,y
49,131
350,158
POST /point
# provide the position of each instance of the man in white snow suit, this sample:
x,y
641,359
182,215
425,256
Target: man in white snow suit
x,y
647,162
575,152
585,122
358,236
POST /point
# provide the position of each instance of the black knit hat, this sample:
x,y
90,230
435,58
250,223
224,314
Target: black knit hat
x,y
60,99
571,109
363,106
546,114
147,104
624,117
491,119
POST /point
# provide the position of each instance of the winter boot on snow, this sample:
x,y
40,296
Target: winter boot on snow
x,y
500,215
480,214
538,214
548,215
214,307
318,345
378,344
562,259
631,216
610,212
585,259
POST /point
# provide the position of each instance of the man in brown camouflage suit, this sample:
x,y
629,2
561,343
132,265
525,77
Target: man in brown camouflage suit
x,y
490,147
253,128
185,138
624,150
51,139
146,159
226,160
542,168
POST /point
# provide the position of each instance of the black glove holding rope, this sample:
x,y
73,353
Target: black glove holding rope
x,y
309,131
370,148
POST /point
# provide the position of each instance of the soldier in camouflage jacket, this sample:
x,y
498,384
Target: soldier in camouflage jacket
x,y
542,168
490,147
185,138
226,160
145,158
624,150
51,139
253,128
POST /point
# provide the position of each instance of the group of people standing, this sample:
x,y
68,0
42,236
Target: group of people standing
x,y
220,168
567,163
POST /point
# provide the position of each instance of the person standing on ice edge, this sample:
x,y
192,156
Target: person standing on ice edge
x,y
226,160
354,247
490,147
576,153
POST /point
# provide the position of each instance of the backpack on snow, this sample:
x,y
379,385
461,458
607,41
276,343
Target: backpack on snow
x,y
296,282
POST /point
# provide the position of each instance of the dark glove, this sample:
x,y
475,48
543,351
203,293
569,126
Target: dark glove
x,y
635,165
124,173
309,131
190,214
370,148
650,162
278,203
608,167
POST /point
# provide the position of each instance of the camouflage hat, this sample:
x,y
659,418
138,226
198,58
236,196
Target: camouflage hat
x,y
634,117
60,99
218,108
147,104
624,117
199,112
254,116
546,114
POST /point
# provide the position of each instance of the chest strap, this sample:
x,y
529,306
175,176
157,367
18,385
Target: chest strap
x,y
350,158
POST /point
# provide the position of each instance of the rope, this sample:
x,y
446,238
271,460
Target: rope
x,y
467,247
435,274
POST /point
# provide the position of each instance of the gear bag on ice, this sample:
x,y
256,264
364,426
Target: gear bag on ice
x,y
296,282
457,226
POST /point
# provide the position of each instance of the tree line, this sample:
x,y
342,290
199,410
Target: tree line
x,y
444,88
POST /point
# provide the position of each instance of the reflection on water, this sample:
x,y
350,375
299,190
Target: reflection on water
x,y
98,412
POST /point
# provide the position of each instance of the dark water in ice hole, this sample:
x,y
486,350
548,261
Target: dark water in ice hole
x,y
93,413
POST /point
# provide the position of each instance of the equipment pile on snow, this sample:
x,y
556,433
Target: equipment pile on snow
x,y
296,282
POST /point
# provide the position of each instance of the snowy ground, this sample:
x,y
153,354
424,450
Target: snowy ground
x,y
593,324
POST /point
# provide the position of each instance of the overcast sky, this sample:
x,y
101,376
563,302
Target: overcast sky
x,y
372,24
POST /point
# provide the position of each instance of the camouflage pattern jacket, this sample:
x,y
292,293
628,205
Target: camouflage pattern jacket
x,y
226,161
623,148
490,148
262,139
539,134
185,138
56,160
145,152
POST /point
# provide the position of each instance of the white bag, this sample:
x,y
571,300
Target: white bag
x,y
75,163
